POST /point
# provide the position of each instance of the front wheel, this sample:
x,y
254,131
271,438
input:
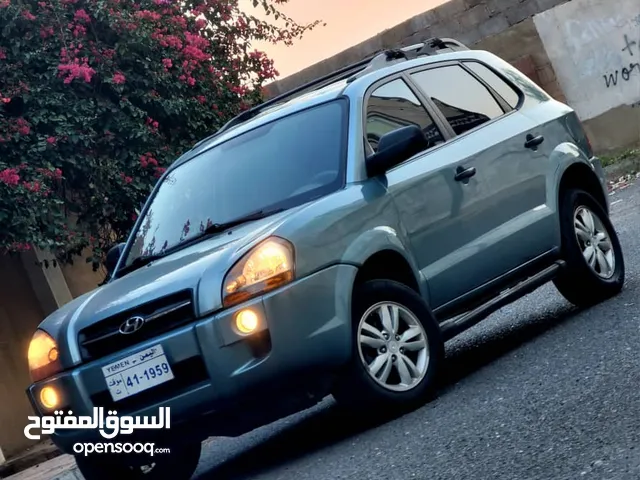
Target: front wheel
x,y
591,249
397,349
179,464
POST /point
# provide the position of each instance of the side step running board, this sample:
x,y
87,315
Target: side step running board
x,y
455,326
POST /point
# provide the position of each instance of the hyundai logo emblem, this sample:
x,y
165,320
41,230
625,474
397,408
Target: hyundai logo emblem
x,y
131,325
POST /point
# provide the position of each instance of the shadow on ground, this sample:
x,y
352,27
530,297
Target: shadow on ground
x,y
331,425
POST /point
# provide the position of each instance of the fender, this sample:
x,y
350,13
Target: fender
x,y
379,239
568,155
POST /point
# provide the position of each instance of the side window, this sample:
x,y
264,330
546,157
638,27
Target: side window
x,y
393,106
494,81
464,101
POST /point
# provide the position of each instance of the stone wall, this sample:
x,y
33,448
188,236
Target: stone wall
x,y
500,26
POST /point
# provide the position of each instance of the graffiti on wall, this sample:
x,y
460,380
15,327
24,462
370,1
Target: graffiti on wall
x,y
632,48
594,47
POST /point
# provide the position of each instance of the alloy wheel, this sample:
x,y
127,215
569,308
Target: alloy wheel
x,y
594,242
393,347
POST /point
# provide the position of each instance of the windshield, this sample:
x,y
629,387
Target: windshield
x,y
279,165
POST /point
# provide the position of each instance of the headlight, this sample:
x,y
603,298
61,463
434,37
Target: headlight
x,y
43,356
267,266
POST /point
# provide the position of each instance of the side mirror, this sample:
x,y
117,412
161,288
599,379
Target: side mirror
x,y
395,147
113,255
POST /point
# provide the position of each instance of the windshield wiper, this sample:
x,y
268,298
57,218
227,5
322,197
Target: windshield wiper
x,y
221,227
139,262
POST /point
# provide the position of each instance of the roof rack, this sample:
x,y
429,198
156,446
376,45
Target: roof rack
x,y
431,46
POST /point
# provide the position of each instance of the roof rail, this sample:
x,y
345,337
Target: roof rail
x,y
431,46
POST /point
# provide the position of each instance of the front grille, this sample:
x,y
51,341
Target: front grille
x,y
160,316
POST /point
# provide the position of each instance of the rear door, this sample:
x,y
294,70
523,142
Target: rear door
x,y
498,217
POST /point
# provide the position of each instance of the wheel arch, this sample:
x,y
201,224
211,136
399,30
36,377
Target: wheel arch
x,y
382,253
582,176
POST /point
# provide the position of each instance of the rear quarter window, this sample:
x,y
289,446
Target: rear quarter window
x,y
492,79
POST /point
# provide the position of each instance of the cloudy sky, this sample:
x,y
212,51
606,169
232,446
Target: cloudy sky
x,y
348,22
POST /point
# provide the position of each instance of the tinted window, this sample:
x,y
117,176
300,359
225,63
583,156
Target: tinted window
x,y
494,81
394,106
465,102
278,165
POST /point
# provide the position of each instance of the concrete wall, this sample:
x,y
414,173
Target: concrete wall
x,y
594,46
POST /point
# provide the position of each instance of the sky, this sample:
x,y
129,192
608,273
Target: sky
x,y
348,22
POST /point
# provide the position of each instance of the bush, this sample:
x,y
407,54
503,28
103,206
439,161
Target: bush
x,y
97,97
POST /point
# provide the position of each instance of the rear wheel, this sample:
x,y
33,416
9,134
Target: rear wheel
x,y
591,249
397,349
180,464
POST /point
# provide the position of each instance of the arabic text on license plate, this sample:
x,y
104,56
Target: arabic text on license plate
x,y
137,372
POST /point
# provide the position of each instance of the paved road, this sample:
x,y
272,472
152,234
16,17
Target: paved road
x,y
538,390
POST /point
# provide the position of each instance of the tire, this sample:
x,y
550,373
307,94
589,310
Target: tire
x,y
180,464
357,389
580,283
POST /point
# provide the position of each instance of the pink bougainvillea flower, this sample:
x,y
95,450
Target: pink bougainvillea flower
x,y
72,70
28,15
9,176
126,178
82,16
118,78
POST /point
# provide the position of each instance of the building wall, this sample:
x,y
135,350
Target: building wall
x,y
20,314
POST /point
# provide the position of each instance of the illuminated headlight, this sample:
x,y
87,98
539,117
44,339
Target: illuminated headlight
x,y
264,268
43,356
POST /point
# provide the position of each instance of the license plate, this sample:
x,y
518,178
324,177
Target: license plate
x,y
138,372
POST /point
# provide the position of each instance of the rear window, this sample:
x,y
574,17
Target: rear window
x,y
492,79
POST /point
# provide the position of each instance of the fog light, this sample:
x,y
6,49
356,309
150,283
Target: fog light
x,y
246,321
49,398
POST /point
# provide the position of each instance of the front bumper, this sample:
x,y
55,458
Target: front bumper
x,y
305,327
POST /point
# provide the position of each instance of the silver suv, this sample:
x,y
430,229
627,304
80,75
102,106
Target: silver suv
x,y
329,241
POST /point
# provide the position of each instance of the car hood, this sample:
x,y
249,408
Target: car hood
x,y
200,268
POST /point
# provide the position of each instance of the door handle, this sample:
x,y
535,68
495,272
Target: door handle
x,y
464,173
533,142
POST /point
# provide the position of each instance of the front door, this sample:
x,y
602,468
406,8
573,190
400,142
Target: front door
x,y
435,192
